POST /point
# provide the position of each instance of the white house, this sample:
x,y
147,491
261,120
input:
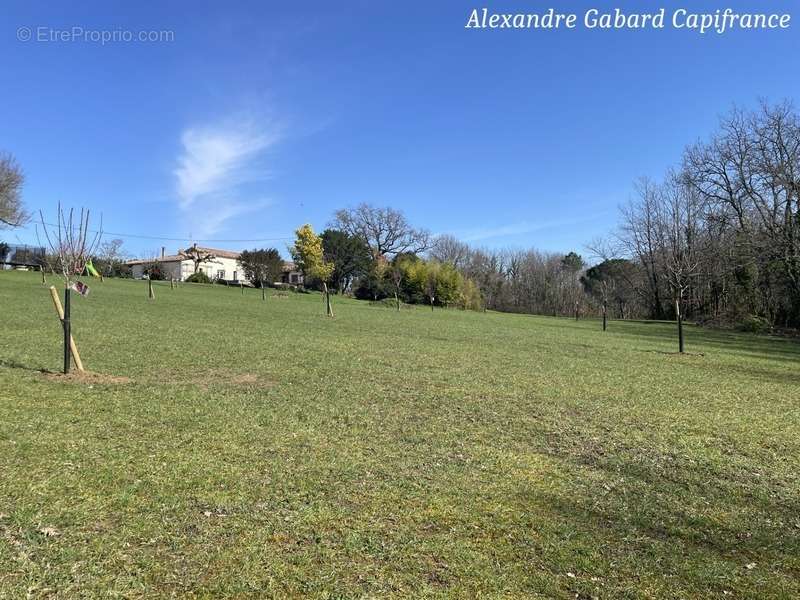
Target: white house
x,y
225,267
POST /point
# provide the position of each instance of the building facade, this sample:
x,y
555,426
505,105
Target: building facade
x,y
224,266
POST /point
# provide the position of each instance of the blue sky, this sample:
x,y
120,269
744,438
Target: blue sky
x,y
260,116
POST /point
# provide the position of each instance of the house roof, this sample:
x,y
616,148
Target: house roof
x,y
287,265
178,258
219,253
156,259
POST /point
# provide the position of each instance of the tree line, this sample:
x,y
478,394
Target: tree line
x,y
719,235
717,238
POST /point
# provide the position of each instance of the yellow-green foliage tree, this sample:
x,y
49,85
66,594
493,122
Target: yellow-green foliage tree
x,y
470,295
308,256
448,282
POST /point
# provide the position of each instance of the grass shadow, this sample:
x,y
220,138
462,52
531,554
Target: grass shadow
x,y
743,344
12,364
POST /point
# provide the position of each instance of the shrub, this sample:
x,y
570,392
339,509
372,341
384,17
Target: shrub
x,y
754,324
198,277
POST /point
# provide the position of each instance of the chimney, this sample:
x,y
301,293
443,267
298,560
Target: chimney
x,y
163,251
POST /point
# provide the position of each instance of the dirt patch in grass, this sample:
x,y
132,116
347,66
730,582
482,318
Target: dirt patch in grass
x,y
216,378
87,378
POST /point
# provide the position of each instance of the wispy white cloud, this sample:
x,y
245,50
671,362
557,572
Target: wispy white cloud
x,y
519,228
214,163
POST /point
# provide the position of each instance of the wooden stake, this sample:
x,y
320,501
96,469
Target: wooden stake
x,y
60,311
327,296
150,293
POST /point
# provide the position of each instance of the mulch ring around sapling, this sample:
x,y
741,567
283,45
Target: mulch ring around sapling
x,y
87,378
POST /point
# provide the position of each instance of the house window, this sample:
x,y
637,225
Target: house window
x,y
221,274
293,278
236,276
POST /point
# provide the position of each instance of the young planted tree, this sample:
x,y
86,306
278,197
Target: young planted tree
x,y
606,287
396,274
431,282
376,276
72,245
681,208
309,257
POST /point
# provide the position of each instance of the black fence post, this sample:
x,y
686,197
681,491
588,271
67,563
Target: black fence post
x,y
67,332
605,314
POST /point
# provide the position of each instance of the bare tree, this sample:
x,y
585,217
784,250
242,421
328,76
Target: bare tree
x,y
604,248
70,241
397,280
449,249
641,237
680,209
110,257
12,213
751,170
198,256
607,287
111,251
386,230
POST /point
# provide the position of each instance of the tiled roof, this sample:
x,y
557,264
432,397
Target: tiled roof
x,y
219,253
156,259
178,258
288,265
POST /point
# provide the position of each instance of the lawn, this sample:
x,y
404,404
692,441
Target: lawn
x,y
242,448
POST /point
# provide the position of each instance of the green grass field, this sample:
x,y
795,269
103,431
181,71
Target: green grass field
x,y
258,449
